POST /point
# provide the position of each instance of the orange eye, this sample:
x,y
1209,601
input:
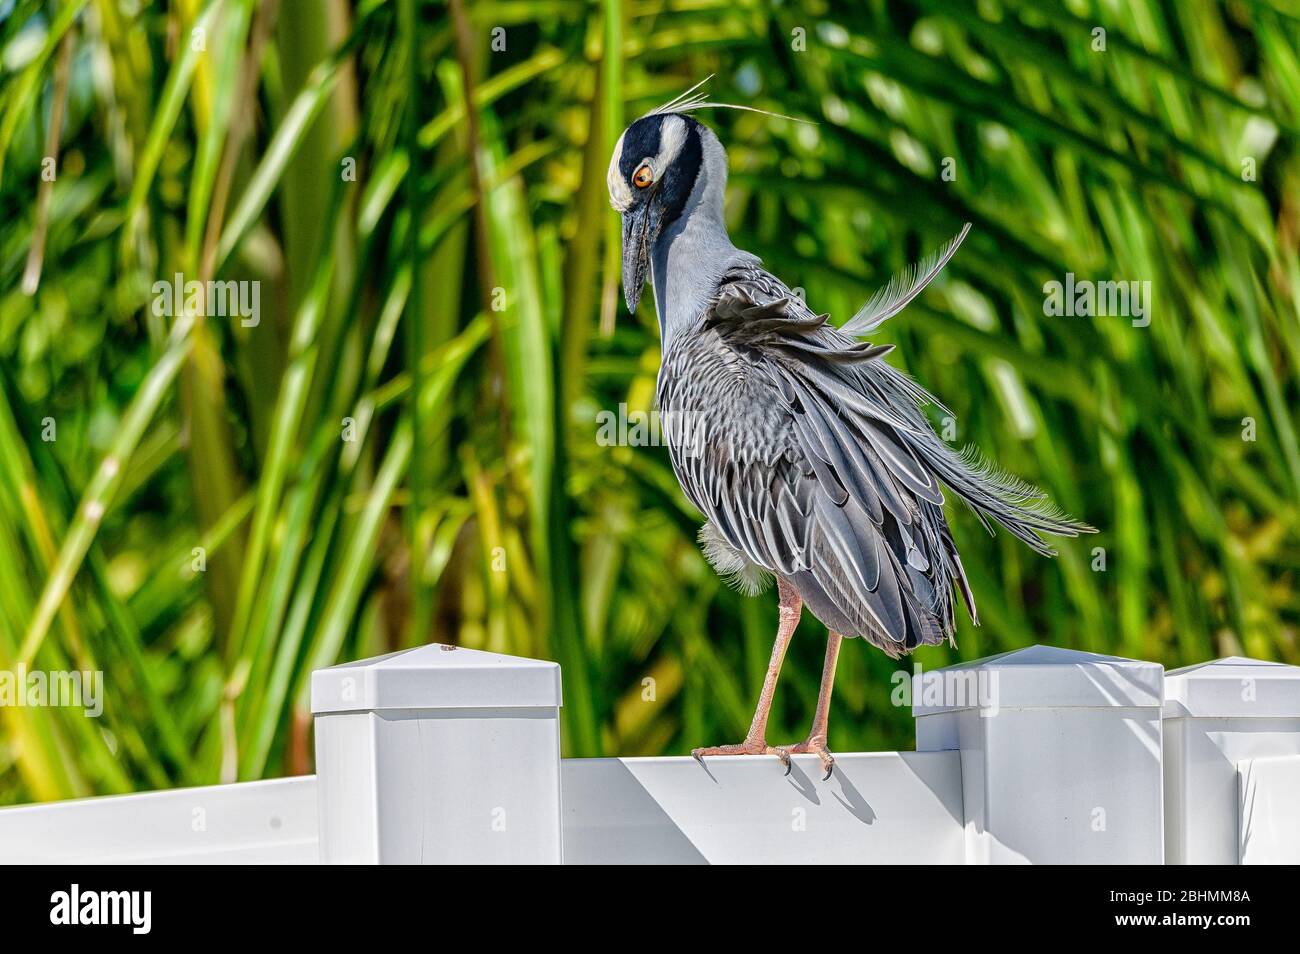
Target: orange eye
x,y
644,176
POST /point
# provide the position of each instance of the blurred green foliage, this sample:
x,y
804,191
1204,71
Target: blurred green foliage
x,y
404,448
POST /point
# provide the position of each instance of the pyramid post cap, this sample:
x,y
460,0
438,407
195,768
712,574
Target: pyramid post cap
x,y
1040,677
1234,687
436,676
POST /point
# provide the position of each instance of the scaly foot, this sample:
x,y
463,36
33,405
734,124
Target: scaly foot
x,y
747,747
813,745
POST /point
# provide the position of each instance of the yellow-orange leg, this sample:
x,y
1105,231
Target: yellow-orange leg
x,y
816,741
756,739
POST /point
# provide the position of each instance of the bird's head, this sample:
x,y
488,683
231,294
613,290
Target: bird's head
x,y
656,166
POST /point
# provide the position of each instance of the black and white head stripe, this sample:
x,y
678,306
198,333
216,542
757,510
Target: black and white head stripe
x,y
657,141
659,138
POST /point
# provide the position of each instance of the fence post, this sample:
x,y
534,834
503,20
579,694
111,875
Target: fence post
x,y
1219,715
438,755
1060,754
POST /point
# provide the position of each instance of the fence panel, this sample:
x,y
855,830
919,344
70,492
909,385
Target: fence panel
x,y
877,808
268,822
1269,816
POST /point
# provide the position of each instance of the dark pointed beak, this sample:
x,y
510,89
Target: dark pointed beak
x,y
638,223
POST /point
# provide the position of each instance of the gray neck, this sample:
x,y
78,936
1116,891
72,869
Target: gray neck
x,y
693,253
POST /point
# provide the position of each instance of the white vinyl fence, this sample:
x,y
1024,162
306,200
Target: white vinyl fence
x,y
441,754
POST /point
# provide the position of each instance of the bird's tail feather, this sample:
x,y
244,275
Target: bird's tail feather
x,y
1023,509
1017,505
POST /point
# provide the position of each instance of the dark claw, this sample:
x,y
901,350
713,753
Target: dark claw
x,y
788,766
698,757
828,772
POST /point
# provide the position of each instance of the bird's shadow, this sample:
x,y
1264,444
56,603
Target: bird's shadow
x,y
851,799
705,765
802,783
806,786
857,805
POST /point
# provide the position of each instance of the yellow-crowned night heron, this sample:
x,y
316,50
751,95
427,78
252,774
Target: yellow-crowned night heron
x,y
808,454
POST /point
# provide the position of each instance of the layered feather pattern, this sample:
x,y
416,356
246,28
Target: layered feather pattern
x,y
812,460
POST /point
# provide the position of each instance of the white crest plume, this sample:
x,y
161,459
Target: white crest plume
x,y
690,101
902,288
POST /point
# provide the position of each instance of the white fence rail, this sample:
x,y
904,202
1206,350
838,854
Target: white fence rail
x,y
880,807
1041,755
271,822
